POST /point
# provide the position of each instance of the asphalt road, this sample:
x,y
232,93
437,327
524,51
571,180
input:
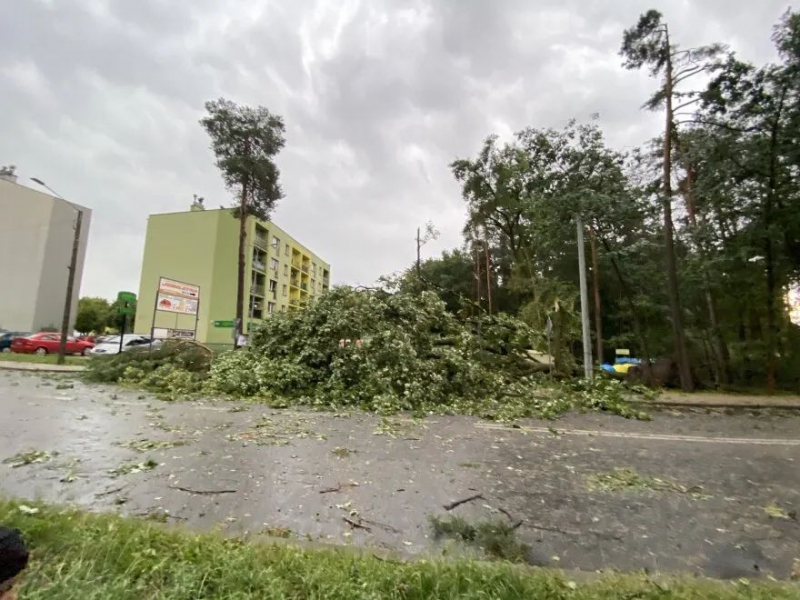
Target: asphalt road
x,y
730,507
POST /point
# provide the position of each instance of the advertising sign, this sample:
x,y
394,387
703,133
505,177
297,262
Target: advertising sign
x,y
161,333
177,297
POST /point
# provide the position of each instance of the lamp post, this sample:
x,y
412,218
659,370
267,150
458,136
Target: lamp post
x,y
73,262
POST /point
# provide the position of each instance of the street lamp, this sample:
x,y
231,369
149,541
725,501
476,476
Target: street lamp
x,y
76,240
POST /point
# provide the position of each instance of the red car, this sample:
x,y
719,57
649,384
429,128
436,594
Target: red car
x,y
47,343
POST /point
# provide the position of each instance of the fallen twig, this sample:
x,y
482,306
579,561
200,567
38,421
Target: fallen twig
x,y
111,491
505,512
202,492
383,526
456,503
356,525
338,488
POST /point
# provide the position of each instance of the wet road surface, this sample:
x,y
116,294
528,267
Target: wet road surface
x,y
246,468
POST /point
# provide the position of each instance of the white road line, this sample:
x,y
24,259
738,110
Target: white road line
x,y
647,436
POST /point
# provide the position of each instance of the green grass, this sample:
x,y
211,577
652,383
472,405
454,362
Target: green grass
x,y
497,538
82,556
46,359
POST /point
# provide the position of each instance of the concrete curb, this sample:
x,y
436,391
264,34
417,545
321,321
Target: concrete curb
x,y
708,405
40,368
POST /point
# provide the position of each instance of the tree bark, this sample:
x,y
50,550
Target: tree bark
x,y
598,324
684,370
242,262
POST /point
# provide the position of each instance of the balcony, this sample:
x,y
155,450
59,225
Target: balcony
x,y
260,242
304,286
259,266
257,290
304,268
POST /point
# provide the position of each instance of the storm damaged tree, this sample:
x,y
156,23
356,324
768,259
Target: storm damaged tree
x,y
245,142
648,44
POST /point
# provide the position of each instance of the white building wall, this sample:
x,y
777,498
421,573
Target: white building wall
x,y
36,233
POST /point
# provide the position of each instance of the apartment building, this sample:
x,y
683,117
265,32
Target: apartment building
x,y
200,248
36,238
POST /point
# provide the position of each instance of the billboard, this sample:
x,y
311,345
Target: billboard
x,y
177,297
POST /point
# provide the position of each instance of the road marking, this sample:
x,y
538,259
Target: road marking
x,y
647,436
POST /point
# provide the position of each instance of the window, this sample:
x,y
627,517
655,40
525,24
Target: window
x,y
273,285
288,250
273,264
285,290
286,270
314,268
270,307
275,242
313,283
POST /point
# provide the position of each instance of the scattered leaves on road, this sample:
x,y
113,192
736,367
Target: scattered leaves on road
x,y
628,479
133,467
29,457
341,452
776,512
144,444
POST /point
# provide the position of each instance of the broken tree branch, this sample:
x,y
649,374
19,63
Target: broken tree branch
x,y
355,524
456,503
338,488
202,492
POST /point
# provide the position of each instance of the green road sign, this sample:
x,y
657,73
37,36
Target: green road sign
x,y
126,303
223,323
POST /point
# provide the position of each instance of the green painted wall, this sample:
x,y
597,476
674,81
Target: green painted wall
x,y
201,248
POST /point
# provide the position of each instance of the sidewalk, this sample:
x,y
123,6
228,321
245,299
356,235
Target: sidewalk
x,y
677,399
40,367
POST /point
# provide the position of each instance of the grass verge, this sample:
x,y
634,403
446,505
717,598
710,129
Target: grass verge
x,y
46,359
84,556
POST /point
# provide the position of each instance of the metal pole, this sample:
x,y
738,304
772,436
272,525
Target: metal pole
x,y
122,331
76,241
587,336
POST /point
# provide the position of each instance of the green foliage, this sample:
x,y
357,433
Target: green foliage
x,y
93,315
245,141
387,352
84,555
375,350
174,370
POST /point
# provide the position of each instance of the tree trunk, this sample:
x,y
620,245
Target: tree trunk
x,y
769,257
241,266
598,324
679,338
637,325
721,355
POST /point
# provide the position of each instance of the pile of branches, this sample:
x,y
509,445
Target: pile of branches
x,y
388,351
175,369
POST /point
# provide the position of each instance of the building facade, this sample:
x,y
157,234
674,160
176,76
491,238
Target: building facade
x,y
36,239
201,247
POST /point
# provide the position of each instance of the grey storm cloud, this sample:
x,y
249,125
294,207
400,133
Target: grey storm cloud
x,y
101,99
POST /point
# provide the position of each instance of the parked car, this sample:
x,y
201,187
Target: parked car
x,y
130,341
7,337
47,343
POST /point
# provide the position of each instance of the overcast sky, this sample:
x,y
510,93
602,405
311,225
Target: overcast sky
x,y
101,99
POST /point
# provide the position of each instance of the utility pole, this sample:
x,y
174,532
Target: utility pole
x,y
73,263
587,336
